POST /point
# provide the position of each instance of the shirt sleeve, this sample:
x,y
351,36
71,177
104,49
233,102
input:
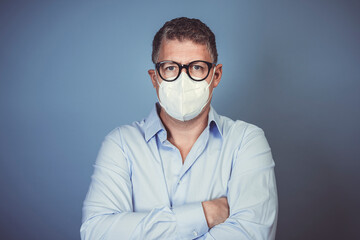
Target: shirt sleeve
x,y
108,209
252,194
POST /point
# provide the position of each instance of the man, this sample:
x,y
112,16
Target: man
x,y
184,172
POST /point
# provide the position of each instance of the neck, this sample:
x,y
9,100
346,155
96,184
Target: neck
x,y
183,135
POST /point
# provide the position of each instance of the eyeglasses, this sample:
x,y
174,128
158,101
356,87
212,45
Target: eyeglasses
x,y
197,70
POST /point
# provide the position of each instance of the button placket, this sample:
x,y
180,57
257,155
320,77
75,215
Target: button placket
x,y
177,191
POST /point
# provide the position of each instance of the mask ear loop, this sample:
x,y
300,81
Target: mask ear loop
x,y
157,78
210,95
158,96
212,78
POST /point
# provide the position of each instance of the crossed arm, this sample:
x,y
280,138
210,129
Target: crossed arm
x,y
248,212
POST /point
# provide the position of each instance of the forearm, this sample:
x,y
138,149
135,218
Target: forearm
x,y
181,222
253,211
111,226
234,228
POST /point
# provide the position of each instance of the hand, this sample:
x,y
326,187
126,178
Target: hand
x,y
216,211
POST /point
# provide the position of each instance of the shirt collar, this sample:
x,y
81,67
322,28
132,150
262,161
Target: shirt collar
x,y
214,121
153,123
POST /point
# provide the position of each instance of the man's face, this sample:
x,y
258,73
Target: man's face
x,y
185,52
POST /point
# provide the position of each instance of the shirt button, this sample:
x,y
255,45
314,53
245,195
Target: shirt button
x,y
195,233
179,181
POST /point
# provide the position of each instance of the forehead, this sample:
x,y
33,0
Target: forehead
x,y
183,51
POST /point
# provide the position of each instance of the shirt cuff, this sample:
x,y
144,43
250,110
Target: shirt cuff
x,y
191,221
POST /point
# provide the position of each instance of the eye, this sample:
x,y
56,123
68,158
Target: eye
x,y
170,68
197,67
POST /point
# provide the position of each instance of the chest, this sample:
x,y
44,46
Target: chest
x,y
160,179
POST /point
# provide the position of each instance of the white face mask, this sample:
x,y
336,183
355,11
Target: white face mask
x,y
184,98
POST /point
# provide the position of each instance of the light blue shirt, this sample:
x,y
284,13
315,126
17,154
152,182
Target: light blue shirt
x,y
141,190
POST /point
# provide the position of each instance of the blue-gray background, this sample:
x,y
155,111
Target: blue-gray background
x,y
71,71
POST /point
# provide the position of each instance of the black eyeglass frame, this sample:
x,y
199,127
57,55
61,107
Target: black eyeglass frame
x,y
186,66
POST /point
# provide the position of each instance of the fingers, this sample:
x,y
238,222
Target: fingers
x,y
216,211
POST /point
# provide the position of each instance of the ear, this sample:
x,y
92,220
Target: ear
x,y
152,75
217,75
